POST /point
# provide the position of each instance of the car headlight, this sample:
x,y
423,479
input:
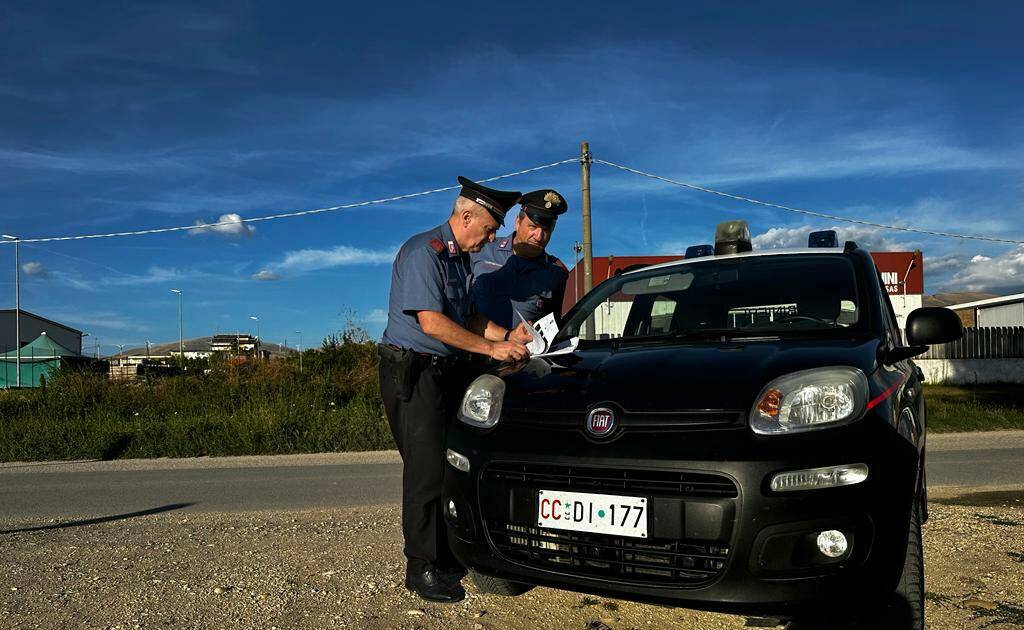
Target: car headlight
x,y
810,399
481,406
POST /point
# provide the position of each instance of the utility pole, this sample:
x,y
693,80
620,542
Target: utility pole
x,y
576,249
299,333
181,336
588,245
17,303
259,342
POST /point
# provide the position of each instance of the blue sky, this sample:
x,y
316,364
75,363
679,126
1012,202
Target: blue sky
x,y
120,117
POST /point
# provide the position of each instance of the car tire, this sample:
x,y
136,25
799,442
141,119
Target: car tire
x,y
905,609
489,585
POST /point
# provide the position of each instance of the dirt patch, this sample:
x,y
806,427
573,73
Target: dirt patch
x,y
343,569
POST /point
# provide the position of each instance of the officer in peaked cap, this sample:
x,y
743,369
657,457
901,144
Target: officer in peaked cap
x,y
514,272
431,324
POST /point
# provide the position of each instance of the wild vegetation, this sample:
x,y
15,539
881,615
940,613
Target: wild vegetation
x,y
214,408
332,404
975,407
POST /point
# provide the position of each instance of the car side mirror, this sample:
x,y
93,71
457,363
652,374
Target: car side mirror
x,y
932,325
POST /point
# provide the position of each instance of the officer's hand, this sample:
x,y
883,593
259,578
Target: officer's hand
x,y
509,351
521,334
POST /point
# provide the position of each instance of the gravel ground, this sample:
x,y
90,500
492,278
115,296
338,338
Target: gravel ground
x,y
342,569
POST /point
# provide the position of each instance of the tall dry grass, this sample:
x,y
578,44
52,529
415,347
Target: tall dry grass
x,y
256,408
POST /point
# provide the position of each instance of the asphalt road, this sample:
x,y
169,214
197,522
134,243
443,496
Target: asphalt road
x,y
108,490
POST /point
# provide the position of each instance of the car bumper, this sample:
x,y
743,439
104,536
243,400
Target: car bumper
x,y
751,552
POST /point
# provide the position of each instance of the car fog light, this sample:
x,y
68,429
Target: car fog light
x,y
457,460
832,543
454,513
813,478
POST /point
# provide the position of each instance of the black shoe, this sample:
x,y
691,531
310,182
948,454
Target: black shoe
x,y
432,586
452,574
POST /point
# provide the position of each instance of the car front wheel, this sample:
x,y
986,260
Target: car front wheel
x,y
496,586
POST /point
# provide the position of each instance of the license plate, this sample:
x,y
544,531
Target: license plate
x,y
593,513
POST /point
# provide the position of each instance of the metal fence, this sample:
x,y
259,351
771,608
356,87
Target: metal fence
x,y
1000,342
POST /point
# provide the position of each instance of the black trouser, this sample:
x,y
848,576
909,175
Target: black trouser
x,y
420,398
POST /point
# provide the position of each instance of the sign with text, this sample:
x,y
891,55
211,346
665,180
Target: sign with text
x,y
898,268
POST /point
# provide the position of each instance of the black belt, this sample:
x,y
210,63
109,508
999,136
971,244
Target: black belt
x,y
422,358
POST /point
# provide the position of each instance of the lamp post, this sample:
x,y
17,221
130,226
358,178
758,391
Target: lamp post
x,y
299,333
181,338
17,303
258,340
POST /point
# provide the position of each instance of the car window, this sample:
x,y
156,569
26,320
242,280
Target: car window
x,y
769,295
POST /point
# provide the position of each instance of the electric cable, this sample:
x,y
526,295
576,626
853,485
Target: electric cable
x,y
823,215
282,215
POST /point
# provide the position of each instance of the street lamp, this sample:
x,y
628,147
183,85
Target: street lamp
x,y
17,302
299,333
259,342
181,342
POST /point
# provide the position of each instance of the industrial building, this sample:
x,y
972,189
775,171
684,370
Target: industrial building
x,y
1006,310
32,326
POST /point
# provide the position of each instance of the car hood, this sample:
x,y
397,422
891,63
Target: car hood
x,y
674,377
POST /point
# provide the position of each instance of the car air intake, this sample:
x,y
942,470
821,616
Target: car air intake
x,y
677,563
612,480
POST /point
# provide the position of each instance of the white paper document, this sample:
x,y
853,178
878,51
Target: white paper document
x,y
543,332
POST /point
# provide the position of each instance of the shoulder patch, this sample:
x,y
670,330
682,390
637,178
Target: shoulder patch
x,y
436,245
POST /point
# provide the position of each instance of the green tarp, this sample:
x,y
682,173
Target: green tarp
x,y
41,357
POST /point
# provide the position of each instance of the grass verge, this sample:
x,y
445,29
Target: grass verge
x,y
974,407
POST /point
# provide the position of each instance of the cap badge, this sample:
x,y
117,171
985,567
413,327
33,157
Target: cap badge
x,y
552,198
486,204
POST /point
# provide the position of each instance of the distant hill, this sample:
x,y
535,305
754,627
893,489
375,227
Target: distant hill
x,y
945,299
199,344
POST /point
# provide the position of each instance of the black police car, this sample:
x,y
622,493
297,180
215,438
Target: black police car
x,y
741,432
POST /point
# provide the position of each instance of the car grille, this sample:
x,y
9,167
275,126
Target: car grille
x,y
629,421
612,480
677,563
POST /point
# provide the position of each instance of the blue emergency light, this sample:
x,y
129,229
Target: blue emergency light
x,y
697,251
824,238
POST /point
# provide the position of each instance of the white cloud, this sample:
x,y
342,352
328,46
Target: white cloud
x,y
870,238
304,260
944,263
998,274
227,225
266,275
376,316
35,270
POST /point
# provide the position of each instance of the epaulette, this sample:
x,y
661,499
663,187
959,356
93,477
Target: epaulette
x,y
558,262
436,245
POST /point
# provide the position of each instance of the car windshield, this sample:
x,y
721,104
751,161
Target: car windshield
x,y
750,296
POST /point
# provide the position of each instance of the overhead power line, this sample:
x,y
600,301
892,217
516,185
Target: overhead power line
x,y
286,215
811,213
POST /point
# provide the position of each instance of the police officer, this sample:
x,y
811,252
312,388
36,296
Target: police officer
x,y
514,271
430,323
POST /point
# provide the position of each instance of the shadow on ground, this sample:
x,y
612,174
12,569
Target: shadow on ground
x,y
99,519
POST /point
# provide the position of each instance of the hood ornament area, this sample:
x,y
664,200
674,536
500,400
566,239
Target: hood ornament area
x,y
600,422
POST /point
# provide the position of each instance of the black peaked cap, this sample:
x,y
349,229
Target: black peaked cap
x,y
544,206
497,202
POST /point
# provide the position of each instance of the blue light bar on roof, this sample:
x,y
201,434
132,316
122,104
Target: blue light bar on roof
x,y
824,238
697,251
